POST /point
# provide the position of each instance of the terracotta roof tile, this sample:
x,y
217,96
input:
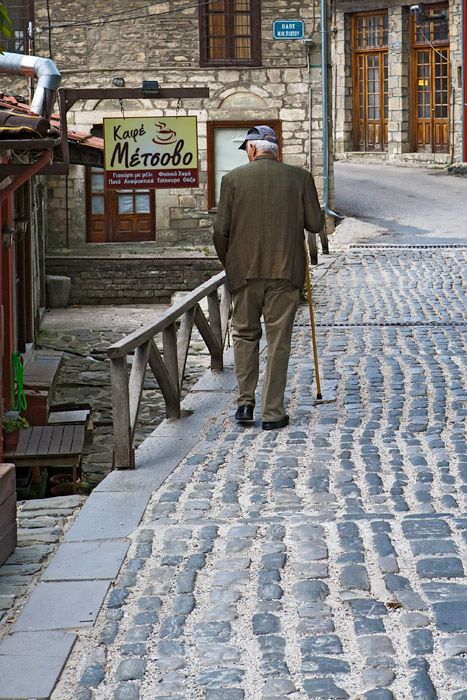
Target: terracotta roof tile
x,y
10,103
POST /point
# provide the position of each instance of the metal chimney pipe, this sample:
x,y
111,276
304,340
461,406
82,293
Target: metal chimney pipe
x,y
35,67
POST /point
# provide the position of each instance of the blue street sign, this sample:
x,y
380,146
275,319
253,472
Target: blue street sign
x,y
288,29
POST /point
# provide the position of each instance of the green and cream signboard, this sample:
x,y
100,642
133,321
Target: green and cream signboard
x,y
150,152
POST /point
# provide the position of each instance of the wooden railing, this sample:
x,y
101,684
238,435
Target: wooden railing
x,y
169,366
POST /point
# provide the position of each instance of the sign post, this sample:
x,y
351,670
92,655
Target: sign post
x,y
150,152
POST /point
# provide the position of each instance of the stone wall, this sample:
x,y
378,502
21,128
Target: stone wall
x,y
164,45
399,146
131,280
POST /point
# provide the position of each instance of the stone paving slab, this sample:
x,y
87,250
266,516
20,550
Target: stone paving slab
x,y
35,679
31,662
41,525
167,446
98,559
108,516
62,605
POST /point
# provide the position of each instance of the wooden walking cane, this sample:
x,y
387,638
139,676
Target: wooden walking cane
x,y
312,321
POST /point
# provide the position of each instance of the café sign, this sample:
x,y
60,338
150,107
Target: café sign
x,y
150,152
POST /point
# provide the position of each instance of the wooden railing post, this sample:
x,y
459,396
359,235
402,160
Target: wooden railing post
x,y
168,370
170,391
213,345
183,342
123,448
225,311
169,340
136,382
215,315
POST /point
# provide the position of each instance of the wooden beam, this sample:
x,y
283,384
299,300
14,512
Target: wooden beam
x,y
183,342
210,339
123,448
169,339
28,172
72,95
215,315
169,390
136,383
225,311
140,336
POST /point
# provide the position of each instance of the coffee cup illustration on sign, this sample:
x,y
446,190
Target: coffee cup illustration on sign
x,y
164,135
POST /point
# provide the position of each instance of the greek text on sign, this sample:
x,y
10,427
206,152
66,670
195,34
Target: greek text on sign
x,y
288,29
150,152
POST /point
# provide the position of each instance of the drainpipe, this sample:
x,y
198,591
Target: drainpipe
x,y
464,82
35,66
325,91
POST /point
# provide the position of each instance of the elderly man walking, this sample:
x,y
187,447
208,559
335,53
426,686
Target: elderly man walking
x,y
264,208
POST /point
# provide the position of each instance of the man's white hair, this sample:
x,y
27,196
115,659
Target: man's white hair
x,y
265,146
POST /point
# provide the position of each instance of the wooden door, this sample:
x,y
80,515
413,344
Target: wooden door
x,y
131,215
118,216
430,81
370,81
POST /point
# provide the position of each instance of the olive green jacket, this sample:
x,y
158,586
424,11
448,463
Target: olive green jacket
x,y
263,210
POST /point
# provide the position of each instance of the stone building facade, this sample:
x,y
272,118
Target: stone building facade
x,y
252,78
397,73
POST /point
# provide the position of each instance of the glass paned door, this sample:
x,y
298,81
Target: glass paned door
x,y
430,81
370,66
118,215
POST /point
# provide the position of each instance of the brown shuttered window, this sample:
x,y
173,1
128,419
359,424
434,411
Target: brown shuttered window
x,y
230,32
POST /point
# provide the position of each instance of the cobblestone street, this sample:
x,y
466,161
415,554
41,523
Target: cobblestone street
x,y
324,560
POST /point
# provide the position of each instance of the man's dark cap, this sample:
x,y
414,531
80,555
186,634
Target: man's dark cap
x,y
259,133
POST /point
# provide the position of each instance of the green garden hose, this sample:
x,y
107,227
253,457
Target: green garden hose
x,y
18,397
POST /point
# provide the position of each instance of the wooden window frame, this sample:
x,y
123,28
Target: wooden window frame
x,y
436,42
28,7
107,216
276,124
356,52
230,60
415,46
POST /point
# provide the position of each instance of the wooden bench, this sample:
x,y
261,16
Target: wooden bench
x,y
73,414
41,369
49,446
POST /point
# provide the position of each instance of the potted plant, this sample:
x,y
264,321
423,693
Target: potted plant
x,y
12,423
63,485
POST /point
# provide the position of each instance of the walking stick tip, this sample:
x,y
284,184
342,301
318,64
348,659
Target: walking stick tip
x,y
319,397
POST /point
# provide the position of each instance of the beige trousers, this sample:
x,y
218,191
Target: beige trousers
x,y
277,301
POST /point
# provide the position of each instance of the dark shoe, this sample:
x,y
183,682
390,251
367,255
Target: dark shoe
x,y
244,414
275,424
